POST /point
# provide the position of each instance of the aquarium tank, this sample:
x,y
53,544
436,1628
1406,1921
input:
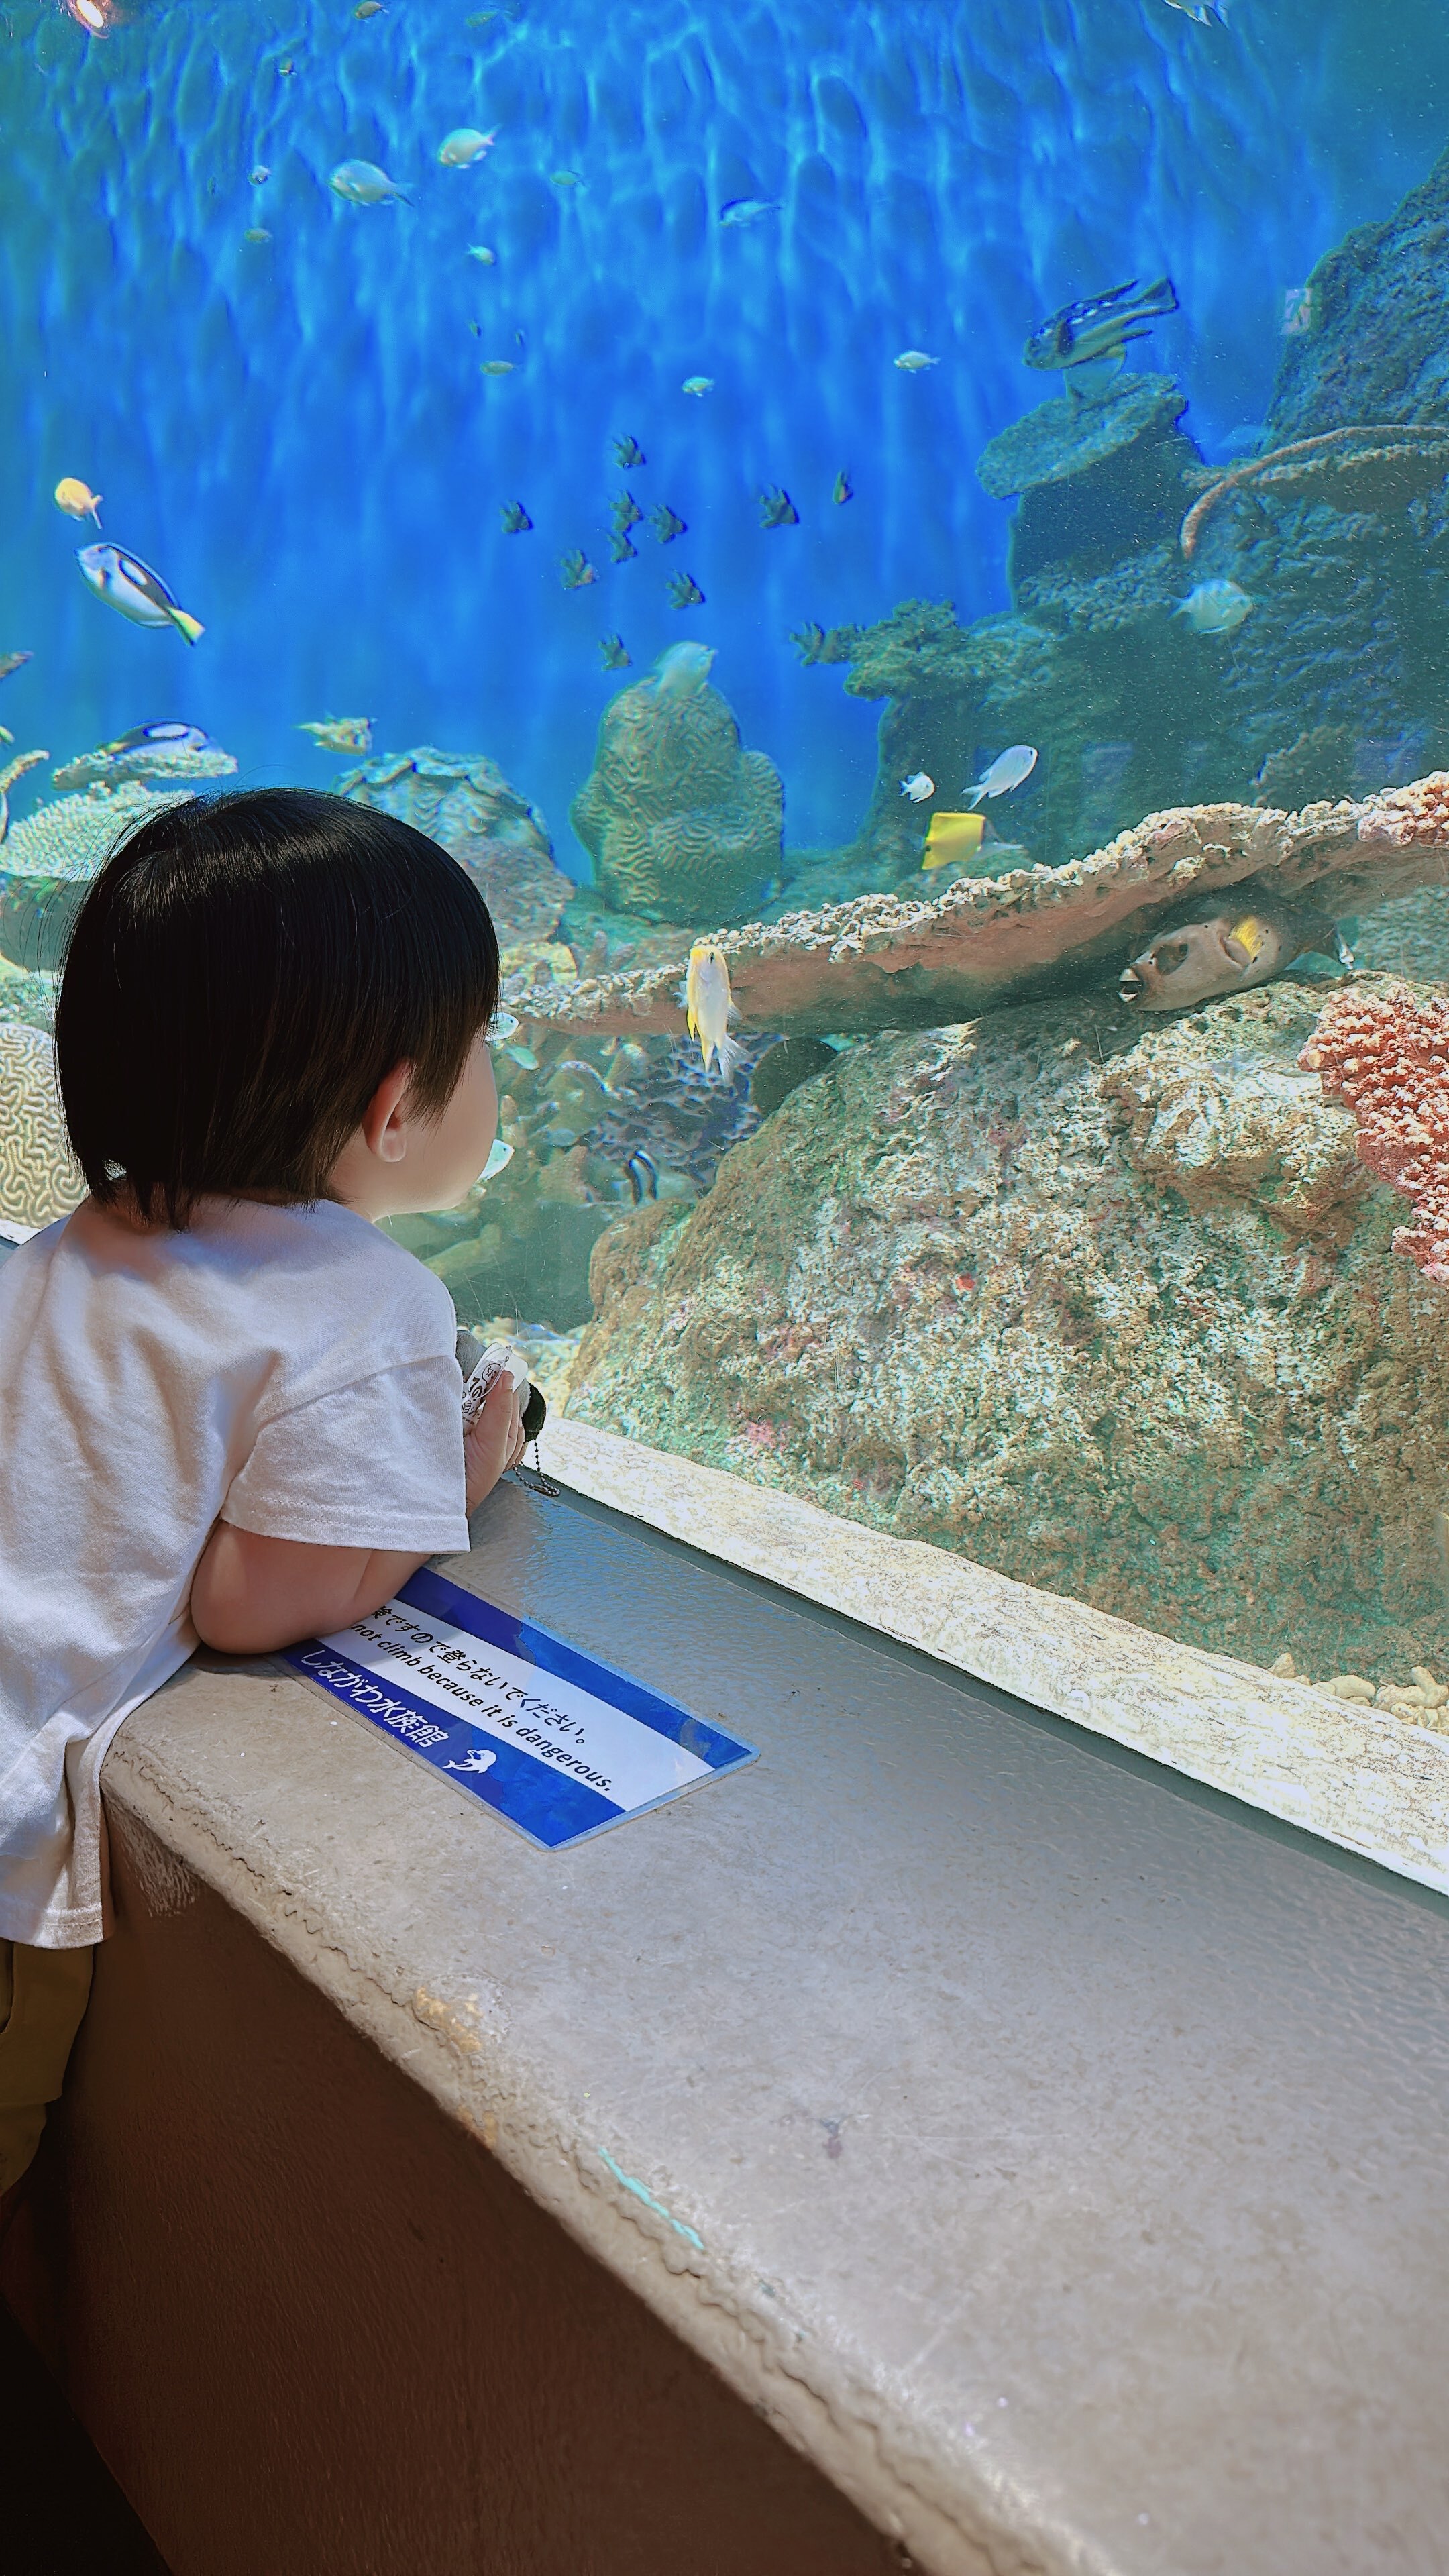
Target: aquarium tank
x,y
904,546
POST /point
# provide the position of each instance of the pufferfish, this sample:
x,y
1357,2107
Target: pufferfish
x,y
1227,949
709,1008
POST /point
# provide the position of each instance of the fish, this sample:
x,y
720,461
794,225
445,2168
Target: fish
x,y
258,178
341,733
499,367
77,499
485,257
12,662
642,1174
622,548
709,1008
912,362
626,511
1098,327
171,730
700,385
1227,948
363,184
667,524
1008,770
1215,607
369,9
256,233
952,836
809,642
681,668
286,69
842,489
627,452
918,787
742,211
465,146
576,571
685,592
613,653
516,521
126,583
565,179
777,510
1202,12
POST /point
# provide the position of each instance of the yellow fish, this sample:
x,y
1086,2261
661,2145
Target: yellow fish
x,y
709,1008
77,499
953,836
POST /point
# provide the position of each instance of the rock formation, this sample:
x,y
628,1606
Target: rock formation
x,y
1105,1305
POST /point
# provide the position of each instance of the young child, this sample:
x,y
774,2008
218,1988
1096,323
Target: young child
x,y
230,1408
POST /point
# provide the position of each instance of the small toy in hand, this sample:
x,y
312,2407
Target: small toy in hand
x,y
481,1371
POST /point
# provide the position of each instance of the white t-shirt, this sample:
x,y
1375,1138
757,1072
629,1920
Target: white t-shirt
x,y
289,1369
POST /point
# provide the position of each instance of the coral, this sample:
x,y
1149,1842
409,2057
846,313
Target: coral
x,y
39,1179
658,1097
1379,468
888,961
682,825
1104,1306
466,803
178,762
1386,1055
47,861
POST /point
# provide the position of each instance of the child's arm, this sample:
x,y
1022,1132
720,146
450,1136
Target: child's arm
x,y
252,1594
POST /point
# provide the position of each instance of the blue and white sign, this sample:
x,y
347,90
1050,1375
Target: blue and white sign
x,y
555,1742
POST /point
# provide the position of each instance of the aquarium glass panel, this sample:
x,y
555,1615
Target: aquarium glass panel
x,y
905,549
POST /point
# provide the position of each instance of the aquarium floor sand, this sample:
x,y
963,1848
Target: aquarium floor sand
x,y
1352,1776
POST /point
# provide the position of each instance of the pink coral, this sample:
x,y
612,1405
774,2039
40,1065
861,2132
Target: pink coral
x,y
1386,1056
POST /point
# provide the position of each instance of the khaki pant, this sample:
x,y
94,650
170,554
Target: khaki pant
x,y
43,1994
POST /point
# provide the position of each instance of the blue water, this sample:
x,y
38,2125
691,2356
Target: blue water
x,y
298,436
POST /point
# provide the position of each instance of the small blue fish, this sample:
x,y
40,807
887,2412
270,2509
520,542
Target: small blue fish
x,y
667,524
1202,12
614,653
622,548
700,385
777,510
742,211
627,452
842,490
576,572
685,592
516,521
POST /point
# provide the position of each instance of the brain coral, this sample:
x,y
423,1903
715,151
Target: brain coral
x,y
465,802
47,861
681,824
1386,1056
38,1178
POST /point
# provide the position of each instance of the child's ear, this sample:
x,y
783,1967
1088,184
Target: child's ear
x,y
384,1121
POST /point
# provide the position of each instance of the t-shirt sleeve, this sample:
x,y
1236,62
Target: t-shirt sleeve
x,y
375,1464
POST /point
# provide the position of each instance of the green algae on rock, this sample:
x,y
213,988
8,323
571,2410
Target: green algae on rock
x,y
681,823
1108,1308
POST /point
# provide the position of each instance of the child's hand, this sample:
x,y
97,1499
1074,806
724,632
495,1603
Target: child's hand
x,y
495,1443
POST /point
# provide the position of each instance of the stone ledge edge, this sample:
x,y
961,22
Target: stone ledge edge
x,y
1351,1776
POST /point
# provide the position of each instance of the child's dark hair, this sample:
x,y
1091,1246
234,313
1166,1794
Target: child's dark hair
x,y
241,976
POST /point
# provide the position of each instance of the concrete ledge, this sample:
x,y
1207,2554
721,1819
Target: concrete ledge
x,y
1357,1777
